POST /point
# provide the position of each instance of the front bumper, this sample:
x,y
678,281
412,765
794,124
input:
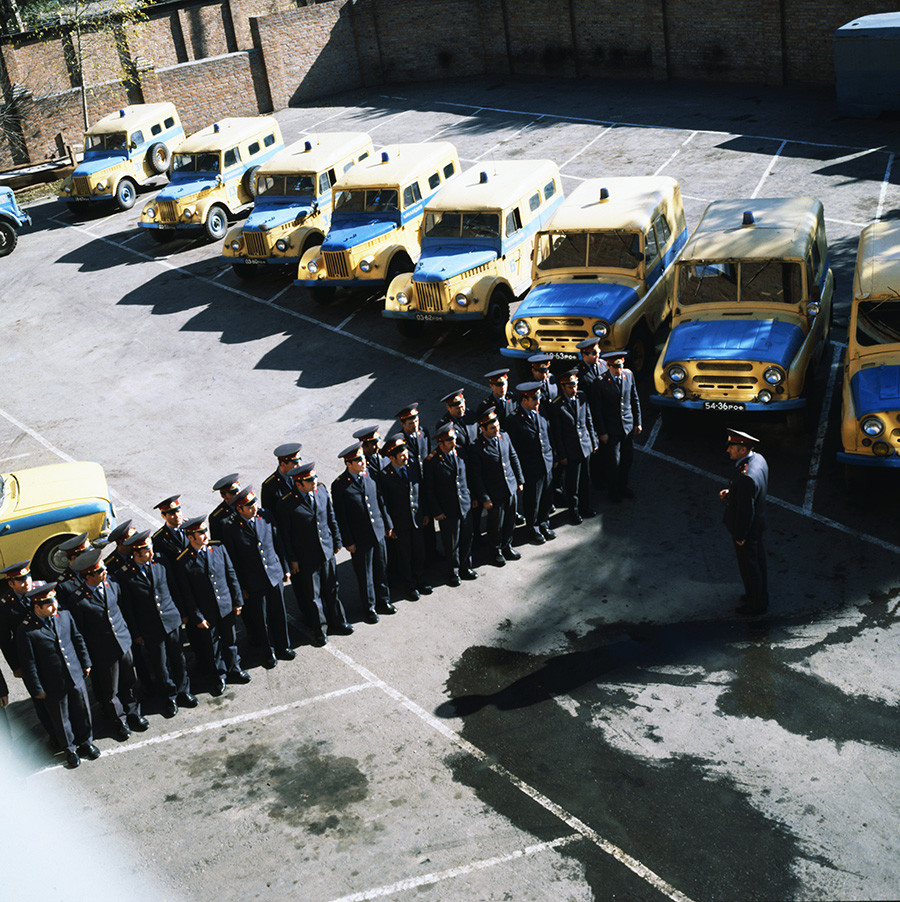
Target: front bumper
x,y
711,405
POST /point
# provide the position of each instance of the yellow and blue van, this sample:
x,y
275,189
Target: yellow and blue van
x,y
604,267
752,314
213,176
477,242
122,151
292,211
378,209
870,412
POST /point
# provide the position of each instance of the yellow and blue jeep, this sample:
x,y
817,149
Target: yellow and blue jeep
x,y
43,506
122,151
12,218
292,211
870,412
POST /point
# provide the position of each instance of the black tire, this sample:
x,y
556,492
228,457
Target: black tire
x,y
216,225
314,239
497,315
126,194
49,561
248,271
162,236
159,157
640,351
250,180
409,328
9,238
399,264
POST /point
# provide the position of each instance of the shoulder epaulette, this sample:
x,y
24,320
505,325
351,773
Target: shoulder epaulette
x,y
268,478
158,531
183,553
433,454
215,542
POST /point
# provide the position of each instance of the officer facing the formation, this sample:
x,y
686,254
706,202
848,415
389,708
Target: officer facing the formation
x,y
499,397
574,441
155,624
462,423
371,444
120,556
364,524
404,499
95,608
69,581
540,372
591,366
278,484
55,662
312,538
745,519
254,546
618,422
228,486
530,436
170,540
450,501
496,479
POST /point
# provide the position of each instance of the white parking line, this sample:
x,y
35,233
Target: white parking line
x,y
573,822
519,131
813,475
654,432
3,460
884,186
440,876
319,122
387,121
769,169
684,143
583,149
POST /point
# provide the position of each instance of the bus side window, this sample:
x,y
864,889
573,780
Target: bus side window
x,y
411,194
137,137
362,156
253,149
348,165
169,122
513,222
549,190
269,140
663,232
449,170
534,201
155,129
324,183
651,251
232,156
434,180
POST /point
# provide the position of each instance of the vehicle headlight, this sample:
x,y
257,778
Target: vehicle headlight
x,y
188,213
462,299
281,245
402,297
812,308
600,329
678,393
102,185
676,373
773,376
881,448
312,266
150,212
521,327
68,189
236,245
366,264
872,426
764,397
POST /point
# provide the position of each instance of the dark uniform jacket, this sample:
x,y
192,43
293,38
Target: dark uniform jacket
x,y
53,654
311,536
494,468
572,428
116,561
375,465
549,391
404,496
69,583
208,584
147,602
101,622
466,431
219,518
505,408
14,609
618,411
745,503
359,508
530,436
169,543
419,446
589,374
447,486
254,547
274,488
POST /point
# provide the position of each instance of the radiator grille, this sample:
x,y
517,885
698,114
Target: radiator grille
x,y
429,296
337,263
256,244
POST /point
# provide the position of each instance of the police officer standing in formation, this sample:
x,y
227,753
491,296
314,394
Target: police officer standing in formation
x,y
211,596
55,662
371,446
69,581
575,441
365,525
496,480
417,442
450,501
404,499
591,366
228,487
155,624
499,397
4,701
95,608
461,421
540,372
278,484
254,546
618,422
120,555
170,539
312,538
745,519
530,435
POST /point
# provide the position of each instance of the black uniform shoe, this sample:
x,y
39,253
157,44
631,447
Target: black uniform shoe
x,y
88,750
269,661
238,675
520,519
453,581
169,708
72,760
385,608
218,686
319,639
537,538
590,512
511,554
548,533
577,518
468,574
412,595
370,617
342,629
121,732
138,722
499,560
186,700
425,590
286,654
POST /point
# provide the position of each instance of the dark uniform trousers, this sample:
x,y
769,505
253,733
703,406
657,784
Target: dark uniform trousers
x,y
447,493
311,537
363,521
403,498
619,413
54,656
152,615
255,550
100,621
496,475
530,435
574,441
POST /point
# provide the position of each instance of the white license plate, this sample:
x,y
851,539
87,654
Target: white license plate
x,y
724,406
429,317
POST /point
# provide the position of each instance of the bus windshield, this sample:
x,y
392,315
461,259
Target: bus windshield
x,y
744,281
612,249
878,322
196,162
300,185
112,141
462,225
367,200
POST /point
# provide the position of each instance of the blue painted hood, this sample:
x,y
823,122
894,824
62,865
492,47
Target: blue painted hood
x,y
876,390
179,188
766,341
98,160
603,300
445,261
347,231
271,215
